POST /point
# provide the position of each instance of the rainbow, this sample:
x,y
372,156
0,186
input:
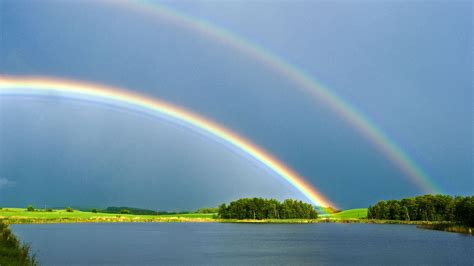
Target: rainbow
x,y
10,86
346,111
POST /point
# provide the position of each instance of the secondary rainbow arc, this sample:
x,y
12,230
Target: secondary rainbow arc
x,y
48,87
395,154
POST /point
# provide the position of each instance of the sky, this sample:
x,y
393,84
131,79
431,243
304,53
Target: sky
x,y
407,66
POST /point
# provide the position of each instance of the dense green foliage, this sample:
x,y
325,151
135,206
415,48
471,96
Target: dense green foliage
x,y
30,208
11,251
259,208
426,208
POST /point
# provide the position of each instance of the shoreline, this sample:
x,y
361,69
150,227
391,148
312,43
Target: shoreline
x,y
31,220
427,225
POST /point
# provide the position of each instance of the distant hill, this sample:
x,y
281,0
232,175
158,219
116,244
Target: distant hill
x,y
207,210
352,213
136,211
129,210
345,214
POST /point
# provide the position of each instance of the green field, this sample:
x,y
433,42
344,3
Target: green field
x,y
58,214
352,213
21,215
347,214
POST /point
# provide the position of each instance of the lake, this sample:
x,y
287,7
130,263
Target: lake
x,y
256,244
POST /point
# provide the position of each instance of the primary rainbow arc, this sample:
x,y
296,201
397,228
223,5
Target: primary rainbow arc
x,y
120,97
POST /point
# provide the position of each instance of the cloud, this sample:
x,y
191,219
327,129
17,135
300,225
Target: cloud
x,y
5,183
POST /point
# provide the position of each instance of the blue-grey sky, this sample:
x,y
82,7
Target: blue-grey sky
x,y
406,65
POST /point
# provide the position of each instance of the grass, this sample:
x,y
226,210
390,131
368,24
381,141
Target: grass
x,y
350,214
449,227
20,214
347,214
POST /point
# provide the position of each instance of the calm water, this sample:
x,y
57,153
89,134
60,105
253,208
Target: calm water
x,y
257,244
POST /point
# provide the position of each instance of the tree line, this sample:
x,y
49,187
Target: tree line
x,y
260,208
207,210
426,208
127,210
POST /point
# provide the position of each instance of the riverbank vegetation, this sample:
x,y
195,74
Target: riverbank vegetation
x,y
454,214
12,252
443,211
448,227
259,208
426,208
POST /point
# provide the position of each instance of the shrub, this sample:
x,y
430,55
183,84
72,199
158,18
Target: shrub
x,y
69,209
94,210
49,210
12,252
125,211
30,208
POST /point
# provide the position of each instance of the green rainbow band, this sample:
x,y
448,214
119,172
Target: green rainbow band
x,y
303,81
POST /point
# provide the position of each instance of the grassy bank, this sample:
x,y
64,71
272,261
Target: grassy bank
x,y
449,227
332,220
348,214
23,220
22,216
12,252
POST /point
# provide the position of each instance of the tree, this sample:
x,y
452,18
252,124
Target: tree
x,y
223,212
426,208
464,210
259,208
30,208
